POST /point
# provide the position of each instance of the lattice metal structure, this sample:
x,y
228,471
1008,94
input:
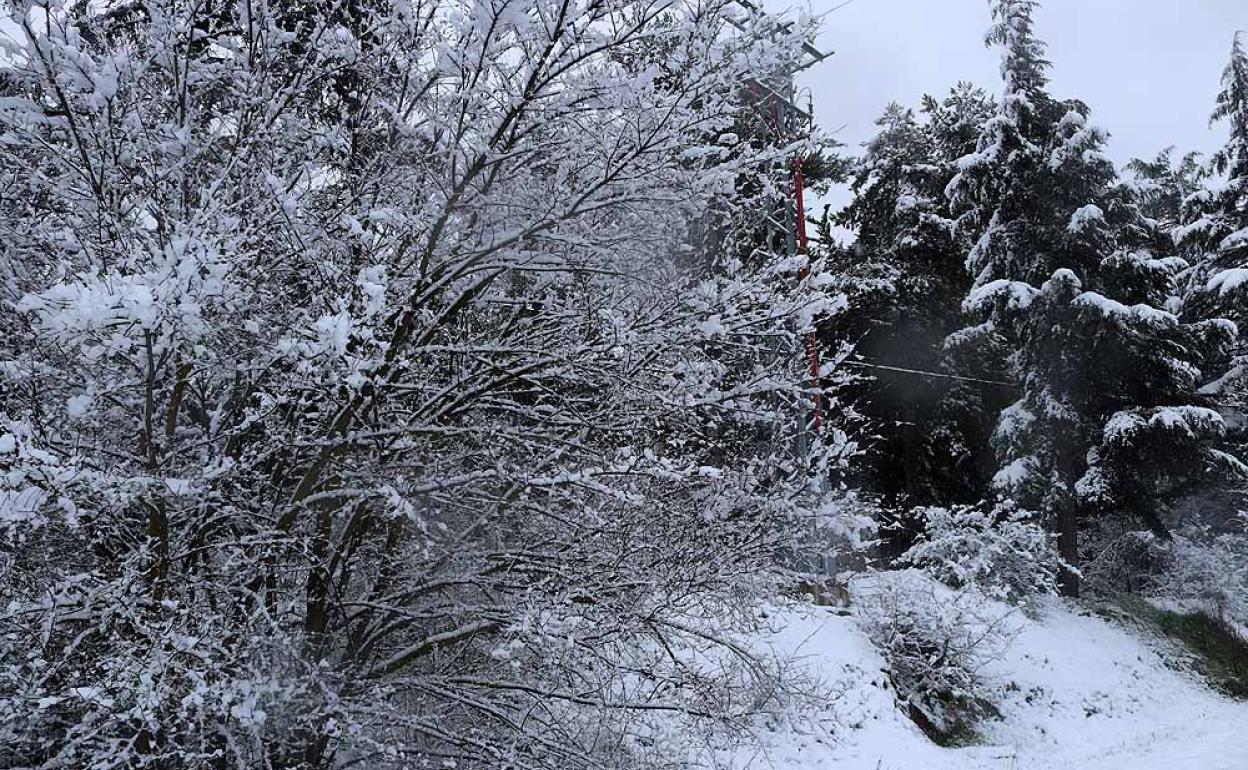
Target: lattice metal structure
x,y
777,119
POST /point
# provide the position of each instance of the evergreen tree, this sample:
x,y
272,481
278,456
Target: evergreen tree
x,y
1217,219
1215,227
1161,186
905,281
1072,300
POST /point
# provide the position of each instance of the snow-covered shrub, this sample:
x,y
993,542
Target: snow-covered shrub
x,y
842,533
1116,557
1209,572
936,641
381,350
1003,551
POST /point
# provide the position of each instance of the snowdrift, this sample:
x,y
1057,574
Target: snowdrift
x,y
1075,692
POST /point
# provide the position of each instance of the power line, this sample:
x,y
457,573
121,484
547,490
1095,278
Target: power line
x,y
842,5
962,378
924,373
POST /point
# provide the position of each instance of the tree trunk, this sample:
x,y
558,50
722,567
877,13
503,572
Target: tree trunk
x,y
1068,549
1070,466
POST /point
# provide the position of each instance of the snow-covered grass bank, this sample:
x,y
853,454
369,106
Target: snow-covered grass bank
x,y
1075,692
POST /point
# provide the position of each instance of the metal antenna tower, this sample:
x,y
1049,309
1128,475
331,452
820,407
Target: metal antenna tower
x,y
780,120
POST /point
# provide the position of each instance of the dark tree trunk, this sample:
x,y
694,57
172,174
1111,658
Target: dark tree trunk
x,y
1068,549
1070,468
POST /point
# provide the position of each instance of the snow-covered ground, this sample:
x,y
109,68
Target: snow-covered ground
x,y
1077,692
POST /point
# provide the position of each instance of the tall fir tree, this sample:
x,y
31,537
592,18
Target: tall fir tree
x,y
1161,186
905,281
1215,227
1070,298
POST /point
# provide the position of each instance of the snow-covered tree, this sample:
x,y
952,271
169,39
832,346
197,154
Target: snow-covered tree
x,y
356,409
905,282
1161,187
899,214
1214,230
1000,550
1108,418
1216,219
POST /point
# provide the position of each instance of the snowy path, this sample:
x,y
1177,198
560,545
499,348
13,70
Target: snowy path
x,y
1089,695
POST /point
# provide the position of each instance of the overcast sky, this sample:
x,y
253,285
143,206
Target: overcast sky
x,y
1149,69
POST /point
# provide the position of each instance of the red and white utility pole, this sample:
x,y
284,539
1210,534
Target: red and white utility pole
x,y
783,121
812,337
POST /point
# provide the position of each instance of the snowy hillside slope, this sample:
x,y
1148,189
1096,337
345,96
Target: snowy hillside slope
x,y
1076,692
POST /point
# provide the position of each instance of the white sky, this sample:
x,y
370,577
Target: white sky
x,y
1149,69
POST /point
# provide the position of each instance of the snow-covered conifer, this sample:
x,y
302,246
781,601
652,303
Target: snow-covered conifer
x,y
1082,313
1214,231
905,283
1216,219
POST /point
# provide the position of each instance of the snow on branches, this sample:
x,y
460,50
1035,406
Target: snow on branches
x,y
364,403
